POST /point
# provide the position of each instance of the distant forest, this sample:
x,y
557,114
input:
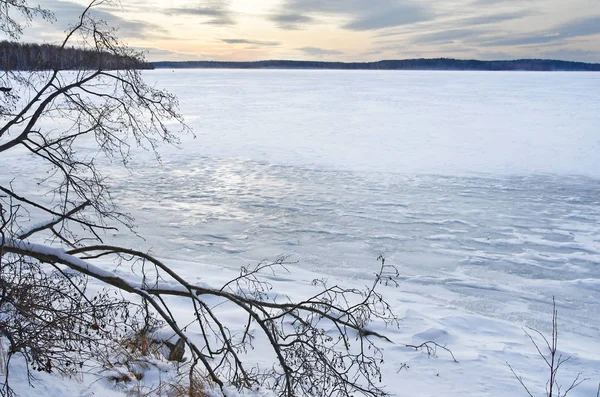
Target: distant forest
x,y
545,65
24,56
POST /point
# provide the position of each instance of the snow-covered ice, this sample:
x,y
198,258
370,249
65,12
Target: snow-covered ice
x,y
482,188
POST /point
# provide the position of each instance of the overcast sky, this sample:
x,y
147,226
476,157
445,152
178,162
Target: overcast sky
x,y
346,30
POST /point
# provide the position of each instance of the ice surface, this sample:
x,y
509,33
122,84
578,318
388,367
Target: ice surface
x,y
406,122
483,188
487,183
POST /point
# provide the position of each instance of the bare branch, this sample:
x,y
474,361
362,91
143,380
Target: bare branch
x,y
430,347
306,338
53,222
520,379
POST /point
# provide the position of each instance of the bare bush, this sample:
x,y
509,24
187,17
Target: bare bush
x,y
553,359
47,317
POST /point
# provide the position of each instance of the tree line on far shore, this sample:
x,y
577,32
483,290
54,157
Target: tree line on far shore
x,y
31,56
399,64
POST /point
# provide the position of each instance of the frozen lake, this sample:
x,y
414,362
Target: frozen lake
x,y
485,186
482,188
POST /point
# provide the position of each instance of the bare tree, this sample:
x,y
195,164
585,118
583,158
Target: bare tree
x,y
321,345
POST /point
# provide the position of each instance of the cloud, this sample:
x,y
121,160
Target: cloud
x,y
522,40
218,14
475,31
387,18
494,18
291,21
372,52
494,2
578,28
67,14
316,51
254,42
448,30
157,54
449,27
362,15
582,27
447,36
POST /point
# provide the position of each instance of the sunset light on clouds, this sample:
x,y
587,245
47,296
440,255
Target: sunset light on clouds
x,y
345,30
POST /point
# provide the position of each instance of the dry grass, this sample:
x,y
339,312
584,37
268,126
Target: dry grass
x,y
129,359
195,388
142,344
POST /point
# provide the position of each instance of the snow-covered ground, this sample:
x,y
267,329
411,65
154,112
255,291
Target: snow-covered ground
x,y
482,188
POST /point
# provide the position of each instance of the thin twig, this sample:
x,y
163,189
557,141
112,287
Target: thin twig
x,y
431,350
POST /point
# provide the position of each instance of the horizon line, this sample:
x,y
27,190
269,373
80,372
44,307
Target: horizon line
x,y
383,60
